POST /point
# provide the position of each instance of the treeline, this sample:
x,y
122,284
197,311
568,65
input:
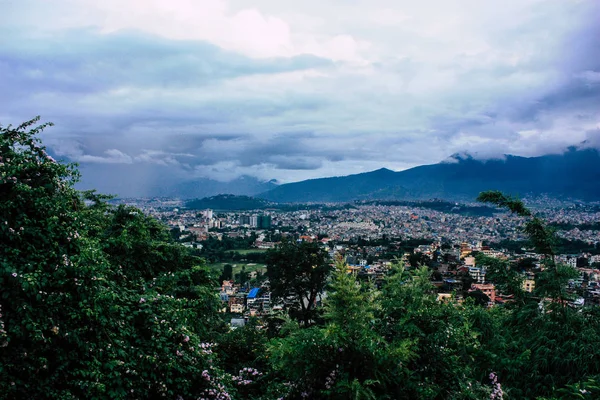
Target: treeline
x,y
99,302
232,202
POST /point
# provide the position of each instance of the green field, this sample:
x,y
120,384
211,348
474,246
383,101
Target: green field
x,y
237,266
249,251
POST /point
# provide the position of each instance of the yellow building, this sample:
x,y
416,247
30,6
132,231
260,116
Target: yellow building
x,y
528,285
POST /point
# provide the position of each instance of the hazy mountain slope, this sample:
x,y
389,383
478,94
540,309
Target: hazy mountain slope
x,y
575,174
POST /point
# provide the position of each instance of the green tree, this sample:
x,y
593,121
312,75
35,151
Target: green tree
x,y
227,274
443,341
542,345
298,273
346,358
97,302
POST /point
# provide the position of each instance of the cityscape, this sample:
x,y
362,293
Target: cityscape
x,y
372,237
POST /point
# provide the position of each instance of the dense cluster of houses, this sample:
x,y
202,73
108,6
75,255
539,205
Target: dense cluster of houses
x,y
455,273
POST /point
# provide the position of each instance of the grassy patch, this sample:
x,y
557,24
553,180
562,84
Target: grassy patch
x,y
237,266
249,251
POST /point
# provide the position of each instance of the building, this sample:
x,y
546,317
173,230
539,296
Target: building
x,y
465,250
254,221
478,274
470,261
487,288
528,285
236,303
259,300
263,222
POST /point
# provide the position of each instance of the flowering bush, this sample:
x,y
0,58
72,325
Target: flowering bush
x,y
96,301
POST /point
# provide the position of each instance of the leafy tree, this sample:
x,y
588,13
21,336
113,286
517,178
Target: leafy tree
x,y
346,358
443,342
543,345
97,302
298,273
227,274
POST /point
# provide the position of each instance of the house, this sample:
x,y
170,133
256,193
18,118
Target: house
x,y
528,285
259,300
487,288
478,274
236,303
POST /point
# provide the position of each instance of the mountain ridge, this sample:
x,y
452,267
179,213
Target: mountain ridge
x,y
573,174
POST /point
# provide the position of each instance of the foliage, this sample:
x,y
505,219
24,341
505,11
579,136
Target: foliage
x,y
298,272
444,344
97,302
346,358
541,344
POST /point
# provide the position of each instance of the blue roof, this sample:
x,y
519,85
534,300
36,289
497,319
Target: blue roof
x,y
253,293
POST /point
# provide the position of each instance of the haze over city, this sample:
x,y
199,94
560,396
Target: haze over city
x,y
145,91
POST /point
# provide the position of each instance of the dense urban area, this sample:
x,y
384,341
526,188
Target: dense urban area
x,y
372,236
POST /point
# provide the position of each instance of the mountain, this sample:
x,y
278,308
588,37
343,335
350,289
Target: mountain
x,y
573,174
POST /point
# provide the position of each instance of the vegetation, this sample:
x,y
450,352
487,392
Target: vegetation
x,y
299,272
96,301
99,302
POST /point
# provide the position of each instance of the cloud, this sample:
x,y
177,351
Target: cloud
x,y
113,156
144,90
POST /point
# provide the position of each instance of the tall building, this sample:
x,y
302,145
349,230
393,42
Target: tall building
x,y
263,222
254,221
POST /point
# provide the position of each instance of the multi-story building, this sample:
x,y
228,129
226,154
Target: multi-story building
x,y
487,288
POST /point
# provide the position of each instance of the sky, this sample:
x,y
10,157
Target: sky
x,y
149,91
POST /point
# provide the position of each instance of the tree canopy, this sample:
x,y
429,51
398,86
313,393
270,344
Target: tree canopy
x,y
298,272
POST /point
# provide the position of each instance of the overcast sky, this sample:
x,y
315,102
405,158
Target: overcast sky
x,y
145,90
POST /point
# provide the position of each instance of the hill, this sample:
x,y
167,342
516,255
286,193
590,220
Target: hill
x,y
573,174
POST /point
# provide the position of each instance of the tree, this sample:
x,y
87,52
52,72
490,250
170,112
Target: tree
x,y
443,343
227,274
96,301
346,358
298,273
542,344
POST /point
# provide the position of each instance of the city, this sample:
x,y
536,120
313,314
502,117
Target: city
x,y
372,237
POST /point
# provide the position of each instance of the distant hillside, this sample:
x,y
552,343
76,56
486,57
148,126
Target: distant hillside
x,y
574,174
337,189
228,202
